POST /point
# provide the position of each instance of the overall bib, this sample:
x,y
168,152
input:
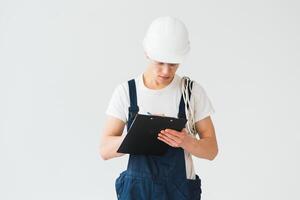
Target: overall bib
x,y
150,177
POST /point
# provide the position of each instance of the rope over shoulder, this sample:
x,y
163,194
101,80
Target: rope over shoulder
x,y
186,90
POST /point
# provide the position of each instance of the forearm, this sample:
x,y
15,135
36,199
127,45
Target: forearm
x,y
109,146
203,148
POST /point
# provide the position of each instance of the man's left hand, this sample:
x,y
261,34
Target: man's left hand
x,y
175,138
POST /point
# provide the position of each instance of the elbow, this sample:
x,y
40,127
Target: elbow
x,y
103,157
213,154
102,154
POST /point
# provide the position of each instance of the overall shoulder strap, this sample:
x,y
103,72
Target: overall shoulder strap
x,y
181,113
133,109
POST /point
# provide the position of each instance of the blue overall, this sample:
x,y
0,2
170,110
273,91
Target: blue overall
x,y
151,177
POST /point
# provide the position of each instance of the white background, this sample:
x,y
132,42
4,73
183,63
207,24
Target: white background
x,y
61,60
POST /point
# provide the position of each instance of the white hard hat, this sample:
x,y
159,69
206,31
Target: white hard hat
x,y
167,40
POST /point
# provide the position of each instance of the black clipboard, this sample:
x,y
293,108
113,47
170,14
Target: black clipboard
x,y
142,134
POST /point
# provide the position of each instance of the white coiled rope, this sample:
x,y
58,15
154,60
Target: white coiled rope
x,y
189,111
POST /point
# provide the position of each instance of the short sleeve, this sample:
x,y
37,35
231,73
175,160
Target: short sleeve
x,y
202,104
117,105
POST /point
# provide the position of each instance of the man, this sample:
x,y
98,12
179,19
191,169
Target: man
x,y
159,91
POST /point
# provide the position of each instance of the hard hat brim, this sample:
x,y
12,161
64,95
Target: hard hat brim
x,y
166,58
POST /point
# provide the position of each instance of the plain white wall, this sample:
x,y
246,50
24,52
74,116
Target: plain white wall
x,y
61,60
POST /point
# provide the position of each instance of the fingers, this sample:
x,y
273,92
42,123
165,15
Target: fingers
x,y
167,140
173,132
171,137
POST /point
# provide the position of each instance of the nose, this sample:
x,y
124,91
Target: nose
x,y
166,69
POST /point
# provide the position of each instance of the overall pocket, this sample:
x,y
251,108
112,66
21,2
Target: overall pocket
x,y
119,185
190,188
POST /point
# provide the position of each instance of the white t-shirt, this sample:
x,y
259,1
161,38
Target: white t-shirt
x,y
162,101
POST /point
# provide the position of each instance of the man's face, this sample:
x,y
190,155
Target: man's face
x,y
163,72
